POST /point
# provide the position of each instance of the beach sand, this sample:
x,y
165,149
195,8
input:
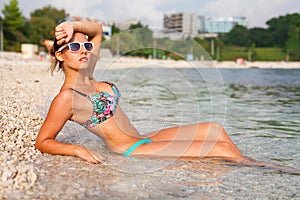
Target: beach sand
x,y
26,90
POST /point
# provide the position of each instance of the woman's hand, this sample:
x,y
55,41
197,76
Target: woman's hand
x,y
64,32
88,155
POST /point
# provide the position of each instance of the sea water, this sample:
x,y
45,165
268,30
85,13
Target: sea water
x,y
256,106
259,108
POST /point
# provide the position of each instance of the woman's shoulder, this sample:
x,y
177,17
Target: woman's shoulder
x,y
64,96
112,86
105,84
62,104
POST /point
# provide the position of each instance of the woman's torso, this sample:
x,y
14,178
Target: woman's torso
x,y
101,114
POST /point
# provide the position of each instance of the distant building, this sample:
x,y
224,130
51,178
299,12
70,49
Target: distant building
x,y
124,25
193,24
107,31
171,35
185,23
219,24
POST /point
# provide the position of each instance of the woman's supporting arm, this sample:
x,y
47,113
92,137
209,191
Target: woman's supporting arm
x,y
60,111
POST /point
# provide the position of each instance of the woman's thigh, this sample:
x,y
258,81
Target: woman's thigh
x,y
187,149
208,131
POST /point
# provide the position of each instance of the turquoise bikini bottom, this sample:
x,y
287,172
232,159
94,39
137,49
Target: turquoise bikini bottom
x,y
136,145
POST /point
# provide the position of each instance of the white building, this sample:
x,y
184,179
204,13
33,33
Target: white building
x,y
219,24
186,23
124,25
192,24
106,30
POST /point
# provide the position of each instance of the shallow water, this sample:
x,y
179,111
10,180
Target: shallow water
x,y
259,108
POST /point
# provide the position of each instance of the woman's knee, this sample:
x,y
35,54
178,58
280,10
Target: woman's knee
x,y
215,131
216,125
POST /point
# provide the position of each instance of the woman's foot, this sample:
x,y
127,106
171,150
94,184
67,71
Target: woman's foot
x,y
252,162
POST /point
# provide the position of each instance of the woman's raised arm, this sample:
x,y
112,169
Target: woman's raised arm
x,y
64,32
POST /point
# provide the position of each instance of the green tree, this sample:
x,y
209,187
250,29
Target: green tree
x,y
12,15
203,43
43,22
144,36
14,26
143,33
41,28
50,12
293,43
134,26
143,40
239,36
285,30
280,27
122,43
260,37
114,29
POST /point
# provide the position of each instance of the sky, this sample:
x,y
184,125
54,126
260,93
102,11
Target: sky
x,y
150,12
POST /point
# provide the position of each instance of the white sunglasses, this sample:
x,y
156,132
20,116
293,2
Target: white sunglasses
x,y
76,46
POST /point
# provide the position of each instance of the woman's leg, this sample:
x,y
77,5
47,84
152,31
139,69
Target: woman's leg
x,y
188,149
203,131
208,132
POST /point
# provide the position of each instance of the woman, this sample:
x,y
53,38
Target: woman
x,y
95,106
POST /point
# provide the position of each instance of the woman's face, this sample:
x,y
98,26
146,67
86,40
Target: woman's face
x,y
79,59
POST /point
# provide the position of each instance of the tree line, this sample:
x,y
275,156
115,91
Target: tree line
x,y
282,32
17,29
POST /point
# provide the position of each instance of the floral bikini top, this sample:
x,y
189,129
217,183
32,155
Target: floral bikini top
x,y
104,105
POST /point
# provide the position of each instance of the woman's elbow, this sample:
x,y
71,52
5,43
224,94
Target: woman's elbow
x,y
39,145
100,27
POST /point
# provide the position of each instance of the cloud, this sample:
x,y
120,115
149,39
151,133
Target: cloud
x,y
151,12
257,12
116,10
143,10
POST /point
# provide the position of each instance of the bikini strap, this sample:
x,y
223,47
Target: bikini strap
x,y
78,92
114,88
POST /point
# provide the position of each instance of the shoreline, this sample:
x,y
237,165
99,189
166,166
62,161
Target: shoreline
x,y
137,62
133,62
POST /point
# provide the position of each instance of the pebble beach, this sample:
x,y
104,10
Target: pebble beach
x,y
20,121
26,90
